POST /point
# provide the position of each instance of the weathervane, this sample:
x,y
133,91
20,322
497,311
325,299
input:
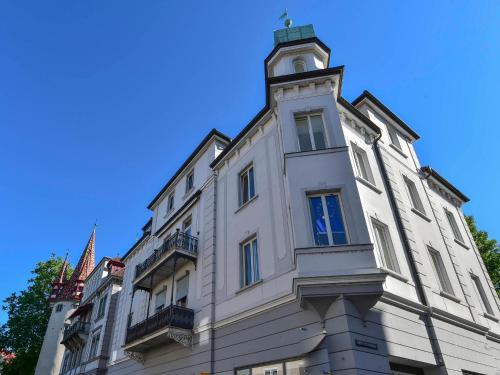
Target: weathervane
x,y
288,21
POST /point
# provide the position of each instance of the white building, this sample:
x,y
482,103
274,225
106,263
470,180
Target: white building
x,y
311,243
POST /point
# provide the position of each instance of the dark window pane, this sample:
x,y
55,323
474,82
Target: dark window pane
x,y
318,221
318,132
252,183
336,221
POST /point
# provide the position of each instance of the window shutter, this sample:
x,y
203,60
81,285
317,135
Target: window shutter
x,y
182,287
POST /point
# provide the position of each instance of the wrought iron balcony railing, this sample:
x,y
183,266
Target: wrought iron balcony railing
x,y
75,330
171,316
178,241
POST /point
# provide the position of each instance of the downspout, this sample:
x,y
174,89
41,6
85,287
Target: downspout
x,y
212,294
426,176
429,326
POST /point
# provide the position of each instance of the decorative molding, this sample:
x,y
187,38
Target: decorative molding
x,y
186,339
357,126
136,356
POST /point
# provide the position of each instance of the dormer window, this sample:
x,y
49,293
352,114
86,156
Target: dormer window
x,y
299,66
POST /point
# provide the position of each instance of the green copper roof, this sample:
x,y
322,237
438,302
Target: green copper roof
x,y
293,33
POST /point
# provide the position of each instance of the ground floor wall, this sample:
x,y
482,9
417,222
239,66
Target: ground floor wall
x,y
298,337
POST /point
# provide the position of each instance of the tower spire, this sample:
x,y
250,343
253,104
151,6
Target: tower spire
x,y
62,275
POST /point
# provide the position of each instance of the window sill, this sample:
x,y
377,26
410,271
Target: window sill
x,y
491,317
188,193
369,184
395,274
461,244
449,296
247,203
250,286
167,214
398,150
421,214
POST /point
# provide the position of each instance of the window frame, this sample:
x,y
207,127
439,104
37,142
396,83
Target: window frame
x,y
185,298
255,262
481,294
391,251
362,159
414,196
323,195
394,137
101,308
301,61
190,181
94,343
308,116
163,292
455,230
59,307
440,271
185,227
170,202
242,200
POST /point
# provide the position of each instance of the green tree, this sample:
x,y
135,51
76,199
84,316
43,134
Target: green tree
x,y
489,250
28,314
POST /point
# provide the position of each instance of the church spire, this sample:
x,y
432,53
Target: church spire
x,y
72,290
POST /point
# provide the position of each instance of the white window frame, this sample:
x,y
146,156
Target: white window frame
x,y
481,294
388,256
170,201
327,217
186,226
190,176
309,128
361,160
163,292
94,344
457,234
413,194
394,137
256,277
246,172
440,272
101,307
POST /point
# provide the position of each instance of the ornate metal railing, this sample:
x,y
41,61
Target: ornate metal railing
x,y
170,316
75,329
179,240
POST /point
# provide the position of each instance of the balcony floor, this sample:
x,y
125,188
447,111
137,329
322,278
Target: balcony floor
x,y
160,337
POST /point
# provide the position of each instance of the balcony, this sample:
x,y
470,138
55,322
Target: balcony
x,y
75,334
173,323
174,252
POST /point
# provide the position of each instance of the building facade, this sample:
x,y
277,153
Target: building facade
x,y
313,242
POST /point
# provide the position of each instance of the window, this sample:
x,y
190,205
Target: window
x,y
299,66
247,185
249,262
310,132
186,225
102,307
170,202
413,194
327,220
271,371
454,226
93,345
59,307
393,135
362,164
440,271
385,247
160,300
485,304
181,292
190,181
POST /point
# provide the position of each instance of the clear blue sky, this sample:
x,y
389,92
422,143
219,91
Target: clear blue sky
x,y
101,101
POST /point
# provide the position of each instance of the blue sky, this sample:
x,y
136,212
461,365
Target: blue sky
x,y
101,101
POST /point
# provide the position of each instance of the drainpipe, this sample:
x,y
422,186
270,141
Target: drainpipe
x,y
212,294
431,331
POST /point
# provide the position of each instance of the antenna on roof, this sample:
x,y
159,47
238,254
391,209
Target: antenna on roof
x,y
288,21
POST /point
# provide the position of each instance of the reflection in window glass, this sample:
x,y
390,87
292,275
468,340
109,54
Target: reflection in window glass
x,y
327,220
303,134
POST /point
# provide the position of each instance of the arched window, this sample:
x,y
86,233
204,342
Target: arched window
x,y
299,66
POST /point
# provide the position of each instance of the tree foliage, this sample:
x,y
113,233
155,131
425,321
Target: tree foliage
x,y
489,250
28,314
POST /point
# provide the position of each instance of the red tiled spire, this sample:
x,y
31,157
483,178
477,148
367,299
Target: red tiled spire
x,y
62,275
72,290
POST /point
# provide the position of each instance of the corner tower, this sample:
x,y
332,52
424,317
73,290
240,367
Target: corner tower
x,y
64,298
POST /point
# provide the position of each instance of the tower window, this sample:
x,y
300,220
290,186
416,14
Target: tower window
x,y
59,307
310,132
299,66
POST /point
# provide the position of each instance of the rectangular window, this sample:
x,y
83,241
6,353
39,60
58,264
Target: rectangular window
x,y
454,227
485,304
170,202
385,247
362,164
181,292
327,220
93,346
59,307
249,262
393,135
102,307
440,271
413,194
310,132
190,181
186,225
160,300
247,185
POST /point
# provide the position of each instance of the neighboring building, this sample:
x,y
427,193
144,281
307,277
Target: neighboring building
x,y
311,243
